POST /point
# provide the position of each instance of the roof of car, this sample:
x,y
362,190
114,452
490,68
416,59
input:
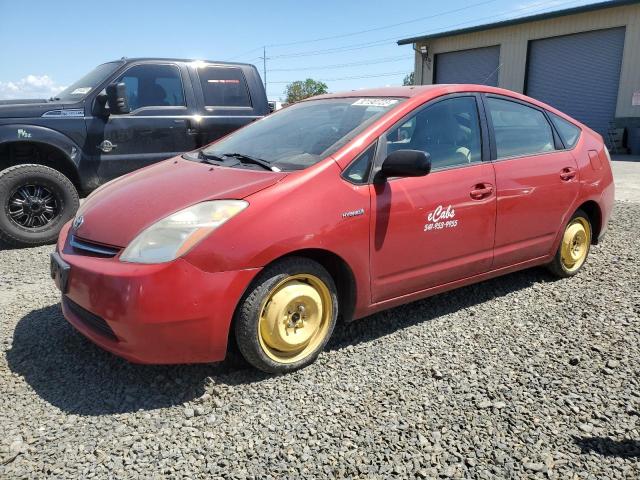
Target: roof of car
x,y
405,92
185,60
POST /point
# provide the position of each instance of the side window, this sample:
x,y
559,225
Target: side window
x,y
449,131
224,87
153,86
567,130
518,129
358,171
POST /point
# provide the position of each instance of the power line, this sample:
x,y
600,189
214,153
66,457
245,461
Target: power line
x,y
377,43
387,74
342,65
384,27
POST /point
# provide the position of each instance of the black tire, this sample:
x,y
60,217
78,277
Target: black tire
x,y
557,266
64,204
246,321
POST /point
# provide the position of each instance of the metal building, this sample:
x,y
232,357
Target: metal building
x,y
584,60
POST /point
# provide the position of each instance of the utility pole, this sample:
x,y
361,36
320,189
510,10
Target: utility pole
x,y
264,66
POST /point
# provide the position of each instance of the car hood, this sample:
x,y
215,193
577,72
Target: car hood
x,y
31,108
116,212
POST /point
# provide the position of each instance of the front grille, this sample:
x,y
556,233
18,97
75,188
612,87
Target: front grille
x,y
86,247
91,320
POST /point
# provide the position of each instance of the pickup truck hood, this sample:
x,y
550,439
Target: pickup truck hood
x,y
115,213
32,107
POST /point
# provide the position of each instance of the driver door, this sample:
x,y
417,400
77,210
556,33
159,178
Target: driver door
x,y
156,128
432,230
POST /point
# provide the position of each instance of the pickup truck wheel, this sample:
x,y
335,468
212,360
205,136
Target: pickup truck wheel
x,y
35,202
287,316
574,247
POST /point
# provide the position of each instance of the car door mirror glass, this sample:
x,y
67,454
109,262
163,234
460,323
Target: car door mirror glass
x,y
117,98
405,163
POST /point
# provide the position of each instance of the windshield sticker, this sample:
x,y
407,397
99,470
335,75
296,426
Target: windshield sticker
x,y
375,102
441,218
81,91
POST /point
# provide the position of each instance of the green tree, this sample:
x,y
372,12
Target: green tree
x,y
408,79
302,89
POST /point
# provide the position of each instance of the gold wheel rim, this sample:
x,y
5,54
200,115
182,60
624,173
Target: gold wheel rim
x,y
295,318
575,244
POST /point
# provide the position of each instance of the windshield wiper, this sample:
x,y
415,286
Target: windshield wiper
x,y
249,159
209,156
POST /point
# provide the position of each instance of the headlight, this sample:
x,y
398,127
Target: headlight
x,y
176,234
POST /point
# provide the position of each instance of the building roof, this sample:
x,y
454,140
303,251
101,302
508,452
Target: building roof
x,y
516,21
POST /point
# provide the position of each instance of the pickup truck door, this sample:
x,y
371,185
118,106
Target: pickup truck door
x,y
229,96
158,127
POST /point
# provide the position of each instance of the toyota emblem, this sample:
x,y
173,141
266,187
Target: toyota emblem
x,y
78,222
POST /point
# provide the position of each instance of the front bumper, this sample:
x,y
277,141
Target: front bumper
x,y
165,313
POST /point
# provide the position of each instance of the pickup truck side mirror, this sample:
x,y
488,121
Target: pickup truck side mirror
x,y
117,98
405,163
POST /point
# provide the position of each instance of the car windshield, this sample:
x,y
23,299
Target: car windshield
x,y
78,90
303,134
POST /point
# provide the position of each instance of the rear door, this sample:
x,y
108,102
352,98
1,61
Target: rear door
x,y
431,230
228,98
156,128
536,179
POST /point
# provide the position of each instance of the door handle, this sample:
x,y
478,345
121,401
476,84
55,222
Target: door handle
x,y
191,128
567,174
481,190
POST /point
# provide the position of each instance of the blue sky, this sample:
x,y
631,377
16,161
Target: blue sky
x,y
46,45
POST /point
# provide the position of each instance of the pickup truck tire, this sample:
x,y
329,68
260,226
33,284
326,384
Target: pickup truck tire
x,y
35,202
287,315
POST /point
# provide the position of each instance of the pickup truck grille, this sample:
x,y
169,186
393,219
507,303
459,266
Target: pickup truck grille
x,y
85,247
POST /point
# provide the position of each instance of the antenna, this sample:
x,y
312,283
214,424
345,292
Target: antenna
x,y
491,74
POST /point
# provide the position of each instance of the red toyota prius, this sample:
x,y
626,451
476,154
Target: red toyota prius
x,y
335,207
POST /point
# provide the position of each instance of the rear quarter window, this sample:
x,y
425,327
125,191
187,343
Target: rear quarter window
x,y
568,132
224,87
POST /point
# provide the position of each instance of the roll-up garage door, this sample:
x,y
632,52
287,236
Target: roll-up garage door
x,y
578,74
479,65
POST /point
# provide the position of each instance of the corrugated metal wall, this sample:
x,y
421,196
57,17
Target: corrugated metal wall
x,y
513,41
479,65
578,74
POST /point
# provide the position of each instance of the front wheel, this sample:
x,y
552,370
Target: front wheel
x,y
574,248
35,202
287,316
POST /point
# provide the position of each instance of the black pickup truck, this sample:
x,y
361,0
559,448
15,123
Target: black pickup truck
x,y
121,116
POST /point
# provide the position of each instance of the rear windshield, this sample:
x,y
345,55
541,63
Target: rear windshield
x,y
301,135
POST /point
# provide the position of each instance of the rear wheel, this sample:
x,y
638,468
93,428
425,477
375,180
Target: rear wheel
x,y
287,316
35,202
574,248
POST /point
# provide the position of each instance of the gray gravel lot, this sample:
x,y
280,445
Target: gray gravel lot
x,y
518,377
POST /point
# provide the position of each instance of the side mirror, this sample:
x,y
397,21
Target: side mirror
x,y
117,98
405,163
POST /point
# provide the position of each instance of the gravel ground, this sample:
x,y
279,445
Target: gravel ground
x,y
518,377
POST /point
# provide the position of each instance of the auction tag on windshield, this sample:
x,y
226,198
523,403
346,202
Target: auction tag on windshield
x,y
375,102
81,91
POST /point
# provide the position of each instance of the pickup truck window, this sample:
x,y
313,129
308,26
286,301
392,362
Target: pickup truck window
x,y
224,87
153,86
301,135
78,90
